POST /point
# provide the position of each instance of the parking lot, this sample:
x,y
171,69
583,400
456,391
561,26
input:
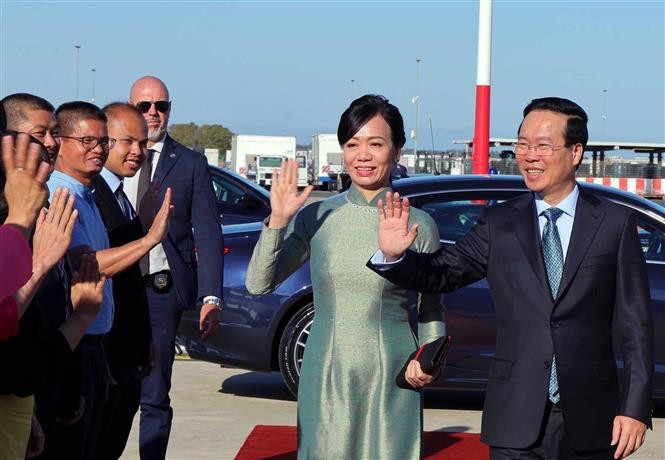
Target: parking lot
x,y
215,409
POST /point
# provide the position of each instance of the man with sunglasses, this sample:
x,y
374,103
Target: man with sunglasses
x,y
186,269
84,148
567,272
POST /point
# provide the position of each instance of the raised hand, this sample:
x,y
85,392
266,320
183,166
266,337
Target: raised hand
x,y
26,175
395,236
53,232
285,201
160,225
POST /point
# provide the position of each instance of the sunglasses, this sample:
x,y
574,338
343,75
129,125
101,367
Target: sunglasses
x,y
44,154
161,106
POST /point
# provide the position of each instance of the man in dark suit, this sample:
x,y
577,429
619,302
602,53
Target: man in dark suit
x,y
187,267
128,343
565,267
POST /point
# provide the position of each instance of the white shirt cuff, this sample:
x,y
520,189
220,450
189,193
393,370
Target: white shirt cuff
x,y
379,261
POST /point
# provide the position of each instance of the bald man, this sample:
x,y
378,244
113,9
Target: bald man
x,y
186,269
128,343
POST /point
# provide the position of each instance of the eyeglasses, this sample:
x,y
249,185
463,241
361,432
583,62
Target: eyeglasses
x,y
544,150
91,142
44,154
162,106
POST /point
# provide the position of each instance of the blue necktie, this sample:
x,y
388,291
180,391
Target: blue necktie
x,y
553,255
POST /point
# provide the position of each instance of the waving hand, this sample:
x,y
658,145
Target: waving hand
x,y
395,236
285,200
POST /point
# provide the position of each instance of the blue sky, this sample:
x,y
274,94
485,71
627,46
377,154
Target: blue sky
x,y
285,68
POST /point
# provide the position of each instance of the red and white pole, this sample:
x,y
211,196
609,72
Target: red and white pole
x,y
482,131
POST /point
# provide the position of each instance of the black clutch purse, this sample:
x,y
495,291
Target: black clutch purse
x,y
430,356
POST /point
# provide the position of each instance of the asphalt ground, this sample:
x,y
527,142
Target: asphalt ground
x,y
216,408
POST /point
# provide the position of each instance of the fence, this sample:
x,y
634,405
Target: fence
x,y
637,176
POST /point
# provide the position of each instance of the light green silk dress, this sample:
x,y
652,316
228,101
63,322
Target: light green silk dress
x,y
349,406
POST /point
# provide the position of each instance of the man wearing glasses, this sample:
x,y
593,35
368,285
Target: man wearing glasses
x,y
186,269
84,148
566,271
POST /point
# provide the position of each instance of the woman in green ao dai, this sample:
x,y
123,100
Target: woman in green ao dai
x,y
349,406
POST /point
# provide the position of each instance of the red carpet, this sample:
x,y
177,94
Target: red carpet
x,y
279,443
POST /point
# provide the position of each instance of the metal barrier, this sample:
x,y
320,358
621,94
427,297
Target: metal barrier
x,y
646,179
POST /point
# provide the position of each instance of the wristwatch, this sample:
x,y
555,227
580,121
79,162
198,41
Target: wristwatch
x,y
213,300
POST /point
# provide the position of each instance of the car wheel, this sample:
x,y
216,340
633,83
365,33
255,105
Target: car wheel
x,y
292,346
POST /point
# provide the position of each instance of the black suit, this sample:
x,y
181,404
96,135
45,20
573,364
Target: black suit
x,y
128,342
604,284
194,250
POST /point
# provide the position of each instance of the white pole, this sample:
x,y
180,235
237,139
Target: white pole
x,y
416,100
78,52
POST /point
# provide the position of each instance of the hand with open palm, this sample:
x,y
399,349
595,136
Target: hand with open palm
x,y
395,236
285,201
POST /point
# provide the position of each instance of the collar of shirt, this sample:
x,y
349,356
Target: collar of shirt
x,y
565,222
567,205
157,151
159,145
60,179
112,179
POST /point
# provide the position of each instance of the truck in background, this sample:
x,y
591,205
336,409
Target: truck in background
x,y
327,160
266,164
246,149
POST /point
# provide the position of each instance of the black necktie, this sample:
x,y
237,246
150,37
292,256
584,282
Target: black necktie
x,y
145,197
124,203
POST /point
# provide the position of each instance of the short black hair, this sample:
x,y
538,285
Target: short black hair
x,y
576,127
16,105
70,113
365,108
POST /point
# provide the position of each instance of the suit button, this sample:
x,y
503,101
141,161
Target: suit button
x,y
547,364
554,323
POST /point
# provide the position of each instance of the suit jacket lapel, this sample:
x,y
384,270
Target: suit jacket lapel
x,y
527,233
107,203
167,160
588,218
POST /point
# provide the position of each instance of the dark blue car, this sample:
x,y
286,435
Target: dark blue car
x,y
269,333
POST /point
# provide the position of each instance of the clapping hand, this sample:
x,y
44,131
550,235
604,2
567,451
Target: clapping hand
x,y
53,232
284,198
395,236
26,175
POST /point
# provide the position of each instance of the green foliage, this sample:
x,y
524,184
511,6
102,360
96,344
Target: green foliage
x,y
202,137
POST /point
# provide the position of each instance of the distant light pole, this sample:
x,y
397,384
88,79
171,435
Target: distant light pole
x,y
416,101
93,84
78,53
604,115
352,82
